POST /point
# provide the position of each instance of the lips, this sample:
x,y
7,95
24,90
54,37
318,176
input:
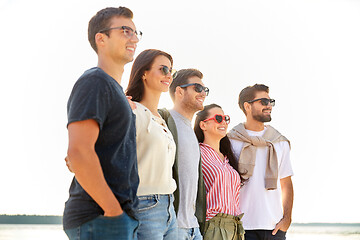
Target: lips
x,y
132,49
167,83
200,99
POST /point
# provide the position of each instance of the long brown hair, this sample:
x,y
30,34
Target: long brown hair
x,y
225,144
142,63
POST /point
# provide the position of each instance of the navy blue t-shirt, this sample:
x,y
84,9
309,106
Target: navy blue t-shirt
x,y
98,96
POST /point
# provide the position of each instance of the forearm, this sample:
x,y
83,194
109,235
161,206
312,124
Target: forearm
x,y
86,166
287,197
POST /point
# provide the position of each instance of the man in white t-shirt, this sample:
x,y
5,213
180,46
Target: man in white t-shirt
x,y
266,199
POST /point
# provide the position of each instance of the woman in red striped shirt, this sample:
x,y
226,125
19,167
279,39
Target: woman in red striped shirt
x,y
222,181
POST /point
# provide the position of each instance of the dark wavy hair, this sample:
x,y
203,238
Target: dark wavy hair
x,y
142,63
225,144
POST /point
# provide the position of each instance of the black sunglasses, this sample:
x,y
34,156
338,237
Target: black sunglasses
x,y
198,87
219,118
166,70
264,101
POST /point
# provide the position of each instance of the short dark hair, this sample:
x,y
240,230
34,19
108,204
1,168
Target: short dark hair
x,y
248,94
142,63
102,19
182,78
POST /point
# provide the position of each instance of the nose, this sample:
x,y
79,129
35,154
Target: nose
x,y
135,38
269,106
203,93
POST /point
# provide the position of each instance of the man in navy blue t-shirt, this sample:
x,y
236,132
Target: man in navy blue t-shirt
x,y
102,141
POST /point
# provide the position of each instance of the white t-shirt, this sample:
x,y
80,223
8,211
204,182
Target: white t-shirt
x,y
155,148
263,208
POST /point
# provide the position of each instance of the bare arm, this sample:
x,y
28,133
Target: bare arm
x,y
86,165
287,202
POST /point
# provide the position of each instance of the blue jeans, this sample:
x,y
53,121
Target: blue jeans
x,y
189,234
105,228
157,217
264,235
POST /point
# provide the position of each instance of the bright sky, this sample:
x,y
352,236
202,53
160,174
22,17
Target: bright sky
x,y
307,51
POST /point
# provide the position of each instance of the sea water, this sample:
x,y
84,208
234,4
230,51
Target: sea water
x,y
296,232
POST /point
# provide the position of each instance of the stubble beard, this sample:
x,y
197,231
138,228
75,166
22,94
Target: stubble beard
x,y
192,106
262,118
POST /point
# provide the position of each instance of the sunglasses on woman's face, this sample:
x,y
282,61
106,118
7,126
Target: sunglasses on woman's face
x,y
219,118
264,101
166,70
198,87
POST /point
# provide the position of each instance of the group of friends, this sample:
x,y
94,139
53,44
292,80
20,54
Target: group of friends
x,y
146,173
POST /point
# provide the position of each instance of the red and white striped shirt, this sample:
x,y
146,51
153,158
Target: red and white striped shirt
x,y
222,184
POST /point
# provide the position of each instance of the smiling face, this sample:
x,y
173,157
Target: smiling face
x,y
192,100
213,129
259,112
116,45
154,79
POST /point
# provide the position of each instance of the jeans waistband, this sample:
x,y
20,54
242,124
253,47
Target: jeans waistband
x,y
157,196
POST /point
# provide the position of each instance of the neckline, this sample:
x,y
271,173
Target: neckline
x,y
226,160
179,115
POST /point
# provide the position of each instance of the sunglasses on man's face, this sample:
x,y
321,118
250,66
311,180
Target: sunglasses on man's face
x,y
264,101
198,87
219,118
128,31
166,70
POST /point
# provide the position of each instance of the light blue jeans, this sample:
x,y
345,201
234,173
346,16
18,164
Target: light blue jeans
x,y
157,217
189,234
105,228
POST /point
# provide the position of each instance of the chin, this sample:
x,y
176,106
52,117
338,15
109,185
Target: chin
x,y
200,107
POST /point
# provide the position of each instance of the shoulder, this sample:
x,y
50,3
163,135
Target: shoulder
x,y
164,113
282,146
206,151
95,80
141,111
282,140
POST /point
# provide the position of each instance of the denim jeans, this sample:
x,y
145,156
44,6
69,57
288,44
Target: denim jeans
x,y
264,235
157,217
105,228
189,234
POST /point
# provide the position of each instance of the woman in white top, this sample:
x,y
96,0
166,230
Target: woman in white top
x,y
150,76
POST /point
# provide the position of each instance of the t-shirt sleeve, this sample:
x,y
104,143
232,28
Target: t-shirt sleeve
x,y
285,168
89,99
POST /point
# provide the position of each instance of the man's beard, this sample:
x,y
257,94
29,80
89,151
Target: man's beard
x,y
192,105
262,118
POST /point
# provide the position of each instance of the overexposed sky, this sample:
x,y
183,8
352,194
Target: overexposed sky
x,y
306,51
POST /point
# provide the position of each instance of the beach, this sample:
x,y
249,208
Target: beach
x,y
296,232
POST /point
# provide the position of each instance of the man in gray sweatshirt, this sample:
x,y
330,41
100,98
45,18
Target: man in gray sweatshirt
x,y
188,94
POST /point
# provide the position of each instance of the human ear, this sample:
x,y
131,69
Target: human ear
x,y
247,107
179,91
99,39
202,125
144,76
